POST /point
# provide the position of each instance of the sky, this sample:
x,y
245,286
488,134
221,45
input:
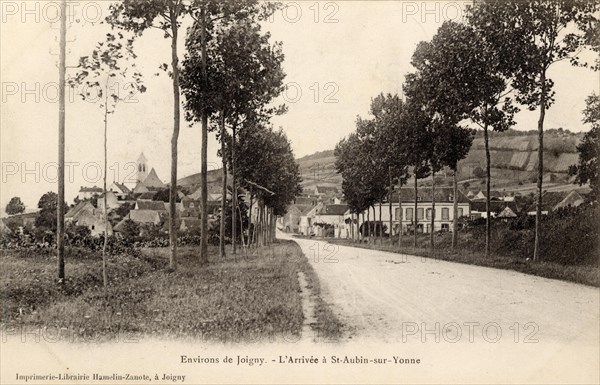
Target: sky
x,y
338,55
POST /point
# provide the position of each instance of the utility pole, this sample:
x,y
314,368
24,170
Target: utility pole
x,y
60,220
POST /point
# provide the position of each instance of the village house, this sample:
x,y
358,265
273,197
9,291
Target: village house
x,y
290,222
554,200
150,205
478,208
85,214
120,190
443,216
146,216
305,227
112,201
88,192
325,190
306,200
331,214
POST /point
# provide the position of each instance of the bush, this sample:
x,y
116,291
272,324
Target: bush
x,y
569,236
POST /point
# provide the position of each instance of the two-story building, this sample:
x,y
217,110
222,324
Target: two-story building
x,y
443,216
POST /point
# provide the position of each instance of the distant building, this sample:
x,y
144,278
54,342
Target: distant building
x,y
120,190
88,192
478,208
85,214
554,200
443,216
331,214
290,222
146,216
112,201
325,190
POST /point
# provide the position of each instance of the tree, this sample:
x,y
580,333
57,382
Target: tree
x,y
164,196
243,74
532,36
586,170
15,206
48,205
210,17
479,173
166,15
348,164
416,138
104,71
387,110
373,171
449,81
269,172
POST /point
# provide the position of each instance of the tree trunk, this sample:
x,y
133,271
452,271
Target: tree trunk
x,y
204,152
360,233
352,226
380,225
60,212
391,209
400,216
242,237
432,222
224,198
250,230
455,209
540,176
369,225
415,220
105,210
488,176
174,139
233,196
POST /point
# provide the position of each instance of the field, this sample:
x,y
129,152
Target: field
x,y
514,162
234,299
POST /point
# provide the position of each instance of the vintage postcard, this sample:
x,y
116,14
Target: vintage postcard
x,y
281,192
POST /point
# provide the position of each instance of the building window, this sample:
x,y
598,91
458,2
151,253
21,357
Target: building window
x,y
428,213
445,213
419,214
445,227
460,212
398,214
409,214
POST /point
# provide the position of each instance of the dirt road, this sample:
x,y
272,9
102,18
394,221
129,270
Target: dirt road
x,y
392,297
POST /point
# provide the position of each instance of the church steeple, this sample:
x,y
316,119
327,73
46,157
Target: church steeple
x,y
142,168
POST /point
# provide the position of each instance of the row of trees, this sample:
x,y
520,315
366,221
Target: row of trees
x,y
230,75
469,74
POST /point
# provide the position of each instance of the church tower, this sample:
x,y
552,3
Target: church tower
x,y
142,168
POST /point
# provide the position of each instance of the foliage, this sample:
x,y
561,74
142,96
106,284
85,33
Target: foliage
x,y
528,38
164,195
587,168
15,206
48,205
265,157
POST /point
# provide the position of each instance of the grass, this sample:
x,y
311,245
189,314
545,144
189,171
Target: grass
x,y
587,275
230,300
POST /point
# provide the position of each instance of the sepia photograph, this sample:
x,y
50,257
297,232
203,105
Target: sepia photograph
x,y
299,192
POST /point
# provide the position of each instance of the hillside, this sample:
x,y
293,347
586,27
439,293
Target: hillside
x,y
513,154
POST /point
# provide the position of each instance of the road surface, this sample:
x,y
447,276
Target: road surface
x,y
392,297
